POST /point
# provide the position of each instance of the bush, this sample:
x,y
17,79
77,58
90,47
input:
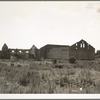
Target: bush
x,y
72,60
54,61
59,66
24,81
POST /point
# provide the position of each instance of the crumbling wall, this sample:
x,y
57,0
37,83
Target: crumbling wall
x,y
20,53
82,51
5,53
34,52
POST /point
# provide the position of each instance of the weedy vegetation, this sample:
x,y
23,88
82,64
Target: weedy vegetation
x,y
27,76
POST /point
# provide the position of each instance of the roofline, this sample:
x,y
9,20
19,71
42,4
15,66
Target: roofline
x,y
82,40
55,45
18,49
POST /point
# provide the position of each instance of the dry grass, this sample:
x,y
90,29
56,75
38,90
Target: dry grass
x,y
43,77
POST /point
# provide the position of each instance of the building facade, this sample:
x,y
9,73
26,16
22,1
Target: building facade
x,y
55,52
82,51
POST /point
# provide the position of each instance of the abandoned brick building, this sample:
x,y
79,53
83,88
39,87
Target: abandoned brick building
x,y
7,53
80,50
55,52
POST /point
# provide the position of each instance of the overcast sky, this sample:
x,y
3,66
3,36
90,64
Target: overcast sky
x,y
23,24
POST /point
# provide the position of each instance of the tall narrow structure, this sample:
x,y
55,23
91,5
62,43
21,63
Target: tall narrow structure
x,y
5,54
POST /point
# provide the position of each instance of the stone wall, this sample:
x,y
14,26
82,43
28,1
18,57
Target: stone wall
x,y
82,51
58,53
55,52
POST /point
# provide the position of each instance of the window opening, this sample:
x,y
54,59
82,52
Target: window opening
x,y
81,45
27,51
20,51
12,51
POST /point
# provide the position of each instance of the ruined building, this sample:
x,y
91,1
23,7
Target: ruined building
x,y
7,53
55,52
80,51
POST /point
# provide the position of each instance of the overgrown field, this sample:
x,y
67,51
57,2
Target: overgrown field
x,y
45,77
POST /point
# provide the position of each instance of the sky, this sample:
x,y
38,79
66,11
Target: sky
x,y
27,23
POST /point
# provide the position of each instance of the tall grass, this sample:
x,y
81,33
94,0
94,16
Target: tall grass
x,y
38,77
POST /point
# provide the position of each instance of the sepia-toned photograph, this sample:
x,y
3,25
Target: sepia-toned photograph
x,y
49,47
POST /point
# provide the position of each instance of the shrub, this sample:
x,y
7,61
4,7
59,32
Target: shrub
x,y
24,81
12,64
54,61
72,60
59,66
